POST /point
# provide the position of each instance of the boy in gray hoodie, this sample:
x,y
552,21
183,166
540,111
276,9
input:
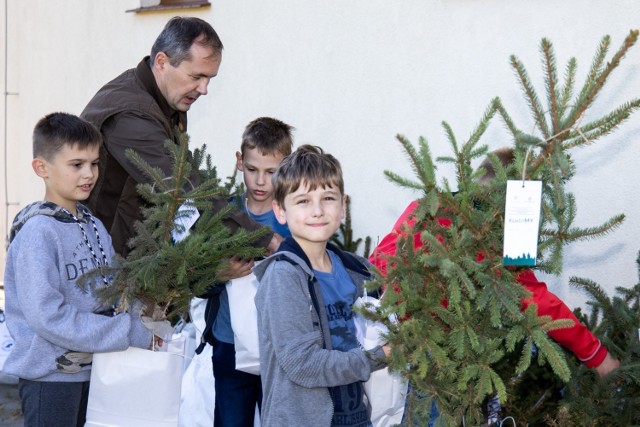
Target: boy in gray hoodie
x,y
311,364
56,324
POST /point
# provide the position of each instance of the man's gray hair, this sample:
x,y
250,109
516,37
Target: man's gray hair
x,y
180,34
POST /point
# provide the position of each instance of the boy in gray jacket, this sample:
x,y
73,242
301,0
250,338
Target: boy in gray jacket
x,y
311,364
55,323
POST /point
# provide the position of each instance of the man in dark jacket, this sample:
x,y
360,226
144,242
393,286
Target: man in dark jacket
x,y
140,109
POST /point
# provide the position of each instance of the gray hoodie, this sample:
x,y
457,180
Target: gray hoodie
x,y
52,320
297,363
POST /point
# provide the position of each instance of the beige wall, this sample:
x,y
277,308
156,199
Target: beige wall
x,y
349,75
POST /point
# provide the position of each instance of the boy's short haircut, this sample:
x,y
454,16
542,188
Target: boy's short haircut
x,y
55,130
505,155
270,136
310,165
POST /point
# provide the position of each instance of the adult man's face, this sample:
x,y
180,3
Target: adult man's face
x,y
182,85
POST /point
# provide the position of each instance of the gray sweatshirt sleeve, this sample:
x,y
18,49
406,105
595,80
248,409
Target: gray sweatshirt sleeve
x,y
57,309
287,317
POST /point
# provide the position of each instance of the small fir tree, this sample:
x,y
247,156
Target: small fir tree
x,y
159,271
344,237
479,342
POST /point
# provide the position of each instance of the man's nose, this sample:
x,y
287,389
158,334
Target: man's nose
x,y
202,86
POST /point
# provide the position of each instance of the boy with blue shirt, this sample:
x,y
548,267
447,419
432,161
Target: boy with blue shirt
x,y
265,142
311,363
56,324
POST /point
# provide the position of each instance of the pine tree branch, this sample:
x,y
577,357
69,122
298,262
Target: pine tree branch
x,y
551,77
567,90
598,77
531,96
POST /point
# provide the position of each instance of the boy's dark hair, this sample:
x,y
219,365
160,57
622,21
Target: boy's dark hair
x,y
55,130
505,155
179,34
310,165
270,136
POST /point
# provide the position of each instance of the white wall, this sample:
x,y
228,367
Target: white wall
x,y
350,75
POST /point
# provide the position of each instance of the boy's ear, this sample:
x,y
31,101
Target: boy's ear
x,y
239,161
279,212
39,166
344,206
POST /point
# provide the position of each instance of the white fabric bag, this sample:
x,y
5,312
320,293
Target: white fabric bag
x,y
385,391
244,322
136,387
198,397
198,385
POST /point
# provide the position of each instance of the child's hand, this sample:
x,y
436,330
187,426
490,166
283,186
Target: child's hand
x,y
156,342
608,364
274,244
236,267
387,350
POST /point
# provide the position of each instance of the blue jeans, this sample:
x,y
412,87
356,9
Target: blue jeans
x,y
434,413
237,392
53,404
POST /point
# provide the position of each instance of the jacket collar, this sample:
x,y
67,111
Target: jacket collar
x,y
148,80
349,261
47,209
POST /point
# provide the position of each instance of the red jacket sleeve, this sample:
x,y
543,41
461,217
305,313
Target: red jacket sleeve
x,y
578,339
387,246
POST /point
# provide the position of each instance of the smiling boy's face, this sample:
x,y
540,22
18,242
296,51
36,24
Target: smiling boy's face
x,y
313,216
69,175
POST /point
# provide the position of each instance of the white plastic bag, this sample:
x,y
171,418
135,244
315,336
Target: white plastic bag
x,y
136,387
187,331
244,322
198,385
385,391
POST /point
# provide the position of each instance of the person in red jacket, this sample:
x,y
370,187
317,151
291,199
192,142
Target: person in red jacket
x,y
578,339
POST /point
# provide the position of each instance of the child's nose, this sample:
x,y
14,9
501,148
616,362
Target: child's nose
x,y
316,209
89,172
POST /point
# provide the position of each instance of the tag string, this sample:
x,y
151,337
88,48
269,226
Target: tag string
x,y
526,157
524,166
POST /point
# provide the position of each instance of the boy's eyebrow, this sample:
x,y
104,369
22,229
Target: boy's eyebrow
x,y
297,196
249,165
327,190
84,159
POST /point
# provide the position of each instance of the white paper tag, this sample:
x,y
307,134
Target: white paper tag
x,y
522,222
188,216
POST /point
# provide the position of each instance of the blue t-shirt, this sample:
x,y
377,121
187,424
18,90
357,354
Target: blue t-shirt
x,y
222,330
269,219
339,294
